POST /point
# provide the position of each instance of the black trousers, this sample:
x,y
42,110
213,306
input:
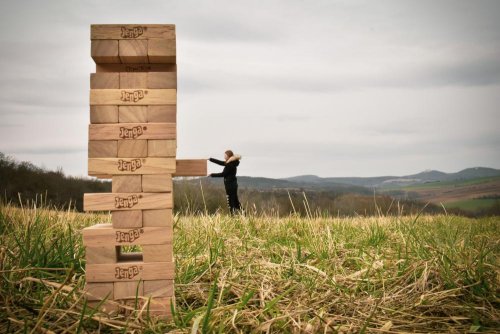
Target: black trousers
x,y
232,197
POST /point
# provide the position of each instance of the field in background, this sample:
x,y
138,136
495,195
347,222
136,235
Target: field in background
x,y
267,274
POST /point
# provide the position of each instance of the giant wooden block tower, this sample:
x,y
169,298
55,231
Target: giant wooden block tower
x,y
132,140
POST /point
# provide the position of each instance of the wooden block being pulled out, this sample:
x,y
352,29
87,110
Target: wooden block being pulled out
x,y
132,114
105,51
192,167
126,201
133,51
157,253
100,237
126,219
104,81
129,271
161,51
133,166
126,184
132,31
134,80
133,96
152,218
102,68
132,131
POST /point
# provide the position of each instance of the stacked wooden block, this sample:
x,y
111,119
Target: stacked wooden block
x,y
132,140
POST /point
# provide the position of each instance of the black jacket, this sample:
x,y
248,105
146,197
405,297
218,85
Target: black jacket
x,y
229,171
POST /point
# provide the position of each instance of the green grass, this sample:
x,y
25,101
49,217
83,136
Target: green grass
x,y
447,184
472,204
422,274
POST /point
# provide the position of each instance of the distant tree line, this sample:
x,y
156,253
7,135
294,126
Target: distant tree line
x,y
27,182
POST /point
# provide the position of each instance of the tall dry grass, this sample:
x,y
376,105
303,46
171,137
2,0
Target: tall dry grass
x,y
243,274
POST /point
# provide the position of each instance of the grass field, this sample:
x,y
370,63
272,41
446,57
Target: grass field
x,y
472,204
266,274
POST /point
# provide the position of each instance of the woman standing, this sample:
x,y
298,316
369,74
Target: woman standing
x,y
230,163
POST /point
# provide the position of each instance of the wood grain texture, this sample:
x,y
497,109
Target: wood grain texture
x,y
104,81
191,167
103,149
132,31
159,307
126,201
162,80
133,51
128,290
95,237
100,254
162,51
133,96
162,114
157,253
162,148
102,68
99,291
157,183
132,148
126,219
132,114
133,80
122,166
129,271
132,131
103,114
159,288
126,184
157,218
104,51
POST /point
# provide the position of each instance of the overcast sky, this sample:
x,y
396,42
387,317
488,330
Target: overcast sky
x,y
332,88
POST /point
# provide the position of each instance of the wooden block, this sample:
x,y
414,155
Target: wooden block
x,y
99,291
103,114
103,148
126,184
105,51
128,290
162,148
158,288
158,307
161,51
132,131
119,166
157,218
132,31
162,80
132,148
133,51
104,81
129,271
157,183
109,307
133,114
126,201
157,253
193,167
98,237
134,80
126,219
102,68
133,96
100,254
159,114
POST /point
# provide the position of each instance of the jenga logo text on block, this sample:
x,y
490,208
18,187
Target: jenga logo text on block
x,y
138,68
133,96
129,166
133,32
129,236
132,133
126,202
127,273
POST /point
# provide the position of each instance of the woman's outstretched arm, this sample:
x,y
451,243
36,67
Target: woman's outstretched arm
x,y
218,162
